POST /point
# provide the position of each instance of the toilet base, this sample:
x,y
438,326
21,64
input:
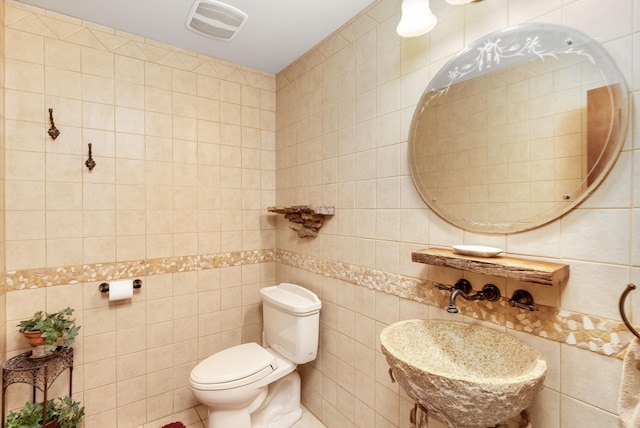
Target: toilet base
x,y
276,407
234,417
281,408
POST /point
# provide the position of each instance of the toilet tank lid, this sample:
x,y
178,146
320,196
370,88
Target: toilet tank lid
x,y
292,297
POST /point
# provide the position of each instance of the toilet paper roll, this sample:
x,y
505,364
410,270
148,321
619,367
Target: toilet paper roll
x,y
120,290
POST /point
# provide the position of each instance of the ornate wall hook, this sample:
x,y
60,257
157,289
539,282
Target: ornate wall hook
x,y
53,131
90,163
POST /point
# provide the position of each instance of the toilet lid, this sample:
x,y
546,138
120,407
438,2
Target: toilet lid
x,y
232,367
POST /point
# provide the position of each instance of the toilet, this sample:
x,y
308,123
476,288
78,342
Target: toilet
x,y
253,386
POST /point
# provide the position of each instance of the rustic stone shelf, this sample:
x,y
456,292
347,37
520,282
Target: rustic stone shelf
x,y
306,220
520,269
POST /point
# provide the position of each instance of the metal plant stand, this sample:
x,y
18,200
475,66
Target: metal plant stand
x,y
41,373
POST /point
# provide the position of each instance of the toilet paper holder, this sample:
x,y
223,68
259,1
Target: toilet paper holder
x,y
104,287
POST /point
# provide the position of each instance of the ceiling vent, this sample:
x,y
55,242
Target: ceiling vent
x,y
215,19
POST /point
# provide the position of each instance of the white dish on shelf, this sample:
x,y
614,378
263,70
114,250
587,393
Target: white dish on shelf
x,y
477,250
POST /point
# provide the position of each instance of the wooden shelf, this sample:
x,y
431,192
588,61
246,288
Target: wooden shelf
x,y
520,269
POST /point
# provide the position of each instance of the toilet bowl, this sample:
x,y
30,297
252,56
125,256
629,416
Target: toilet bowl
x,y
235,383
251,386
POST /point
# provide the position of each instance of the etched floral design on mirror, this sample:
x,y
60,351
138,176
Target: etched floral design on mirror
x,y
518,128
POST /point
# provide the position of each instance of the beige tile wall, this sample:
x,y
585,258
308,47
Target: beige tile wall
x,y
177,139
2,183
185,152
343,116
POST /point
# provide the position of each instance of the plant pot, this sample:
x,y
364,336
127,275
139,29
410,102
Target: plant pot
x,y
34,337
37,341
52,424
39,352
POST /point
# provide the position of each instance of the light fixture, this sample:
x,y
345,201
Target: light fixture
x,y
417,18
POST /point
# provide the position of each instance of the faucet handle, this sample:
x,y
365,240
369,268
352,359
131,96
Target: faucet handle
x,y
461,284
491,292
523,299
464,285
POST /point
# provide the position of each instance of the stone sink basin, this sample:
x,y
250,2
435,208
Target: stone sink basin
x,y
465,375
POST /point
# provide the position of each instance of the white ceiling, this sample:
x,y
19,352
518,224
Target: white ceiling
x,y
276,33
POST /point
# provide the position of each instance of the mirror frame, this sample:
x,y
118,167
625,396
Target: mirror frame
x,y
496,52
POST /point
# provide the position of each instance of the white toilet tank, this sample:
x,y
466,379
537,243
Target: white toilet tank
x,y
291,318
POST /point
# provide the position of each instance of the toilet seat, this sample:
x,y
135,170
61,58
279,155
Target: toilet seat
x,y
233,367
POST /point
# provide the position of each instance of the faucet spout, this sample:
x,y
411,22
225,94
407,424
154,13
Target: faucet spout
x,y
463,288
453,309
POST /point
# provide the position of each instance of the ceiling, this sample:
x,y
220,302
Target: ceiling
x,y
276,33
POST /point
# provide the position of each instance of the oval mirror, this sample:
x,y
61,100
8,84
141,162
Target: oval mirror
x,y
518,128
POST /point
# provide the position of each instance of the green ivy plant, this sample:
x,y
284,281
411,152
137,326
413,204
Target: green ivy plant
x,y
66,413
30,416
58,328
34,323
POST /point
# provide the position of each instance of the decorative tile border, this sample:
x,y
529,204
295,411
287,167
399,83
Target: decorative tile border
x,y
47,277
43,277
600,335
603,336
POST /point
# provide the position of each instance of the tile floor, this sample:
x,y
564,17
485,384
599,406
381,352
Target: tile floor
x,y
197,418
308,421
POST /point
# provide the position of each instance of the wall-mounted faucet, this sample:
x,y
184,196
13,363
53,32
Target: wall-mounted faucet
x,y
463,288
522,299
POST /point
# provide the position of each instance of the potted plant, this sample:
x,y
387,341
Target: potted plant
x,y
66,412
49,330
31,328
61,413
30,416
